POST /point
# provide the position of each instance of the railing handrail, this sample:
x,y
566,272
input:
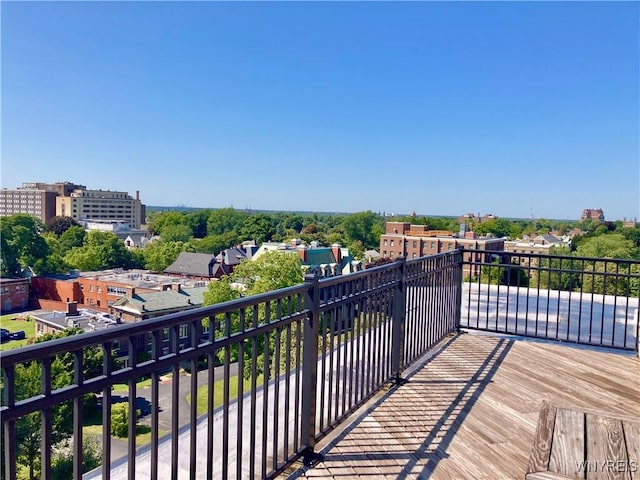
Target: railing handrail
x,y
75,342
631,261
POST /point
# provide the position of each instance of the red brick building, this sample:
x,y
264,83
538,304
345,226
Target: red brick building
x,y
14,293
595,214
414,241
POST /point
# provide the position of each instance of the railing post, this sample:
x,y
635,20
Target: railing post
x,y
458,278
398,320
310,370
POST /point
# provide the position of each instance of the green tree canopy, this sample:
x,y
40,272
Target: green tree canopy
x,y
258,227
22,244
59,225
613,245
225,220
101,250
363,226
176,233
270,271
73,237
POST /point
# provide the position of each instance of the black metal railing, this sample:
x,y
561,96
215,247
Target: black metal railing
x,y
592,301
272,374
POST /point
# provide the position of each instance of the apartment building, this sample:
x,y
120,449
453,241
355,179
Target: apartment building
x,y
66,199
31,201
85,205
413,241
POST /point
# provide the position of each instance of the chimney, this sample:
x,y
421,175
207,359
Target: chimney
x,y
131,291
72,309
302,251
176,287
137,194
337,253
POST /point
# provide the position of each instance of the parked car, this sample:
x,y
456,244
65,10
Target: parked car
x,y
19,335
5,336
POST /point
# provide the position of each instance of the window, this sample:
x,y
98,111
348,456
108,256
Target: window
x,y
385,242
91,288
116,290
184,331
415,244
392,243
433,245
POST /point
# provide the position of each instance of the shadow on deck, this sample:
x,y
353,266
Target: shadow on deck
x,y
470,410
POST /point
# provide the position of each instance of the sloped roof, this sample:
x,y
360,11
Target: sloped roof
x,y
319,256
187,263
152,302
231,256
547,238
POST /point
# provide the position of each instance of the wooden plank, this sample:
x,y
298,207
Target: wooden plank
x,y
632,440
539,458
567,451
547,476
606,450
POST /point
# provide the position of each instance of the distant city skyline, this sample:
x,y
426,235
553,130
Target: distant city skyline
x,y
517,109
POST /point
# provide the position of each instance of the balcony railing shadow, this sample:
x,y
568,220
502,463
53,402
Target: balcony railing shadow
x,y
416,419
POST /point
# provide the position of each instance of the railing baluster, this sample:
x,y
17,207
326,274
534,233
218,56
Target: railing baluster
x,y
78,409
46,426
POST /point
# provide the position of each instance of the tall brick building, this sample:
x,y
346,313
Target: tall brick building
x,y
413,241
593,214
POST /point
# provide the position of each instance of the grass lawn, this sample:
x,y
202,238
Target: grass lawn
x,y
124,387
93,427
29,327
218,392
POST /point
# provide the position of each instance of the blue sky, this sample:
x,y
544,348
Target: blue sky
x,y
442,108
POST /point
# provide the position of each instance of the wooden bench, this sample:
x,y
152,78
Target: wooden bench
x,y
576,444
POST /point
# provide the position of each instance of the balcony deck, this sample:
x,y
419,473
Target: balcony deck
x,y
470,411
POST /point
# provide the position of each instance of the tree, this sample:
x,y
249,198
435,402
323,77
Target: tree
x,y
197,221
258,227
22,244
215,243
176,233
62,462
28,384
220,291
225,220
100,251
270,271
499,227
73,237
166,219
54,263
364,226
120,419
612,245
59,225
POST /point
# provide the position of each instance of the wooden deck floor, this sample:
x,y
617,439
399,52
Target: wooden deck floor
x,y
470,411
